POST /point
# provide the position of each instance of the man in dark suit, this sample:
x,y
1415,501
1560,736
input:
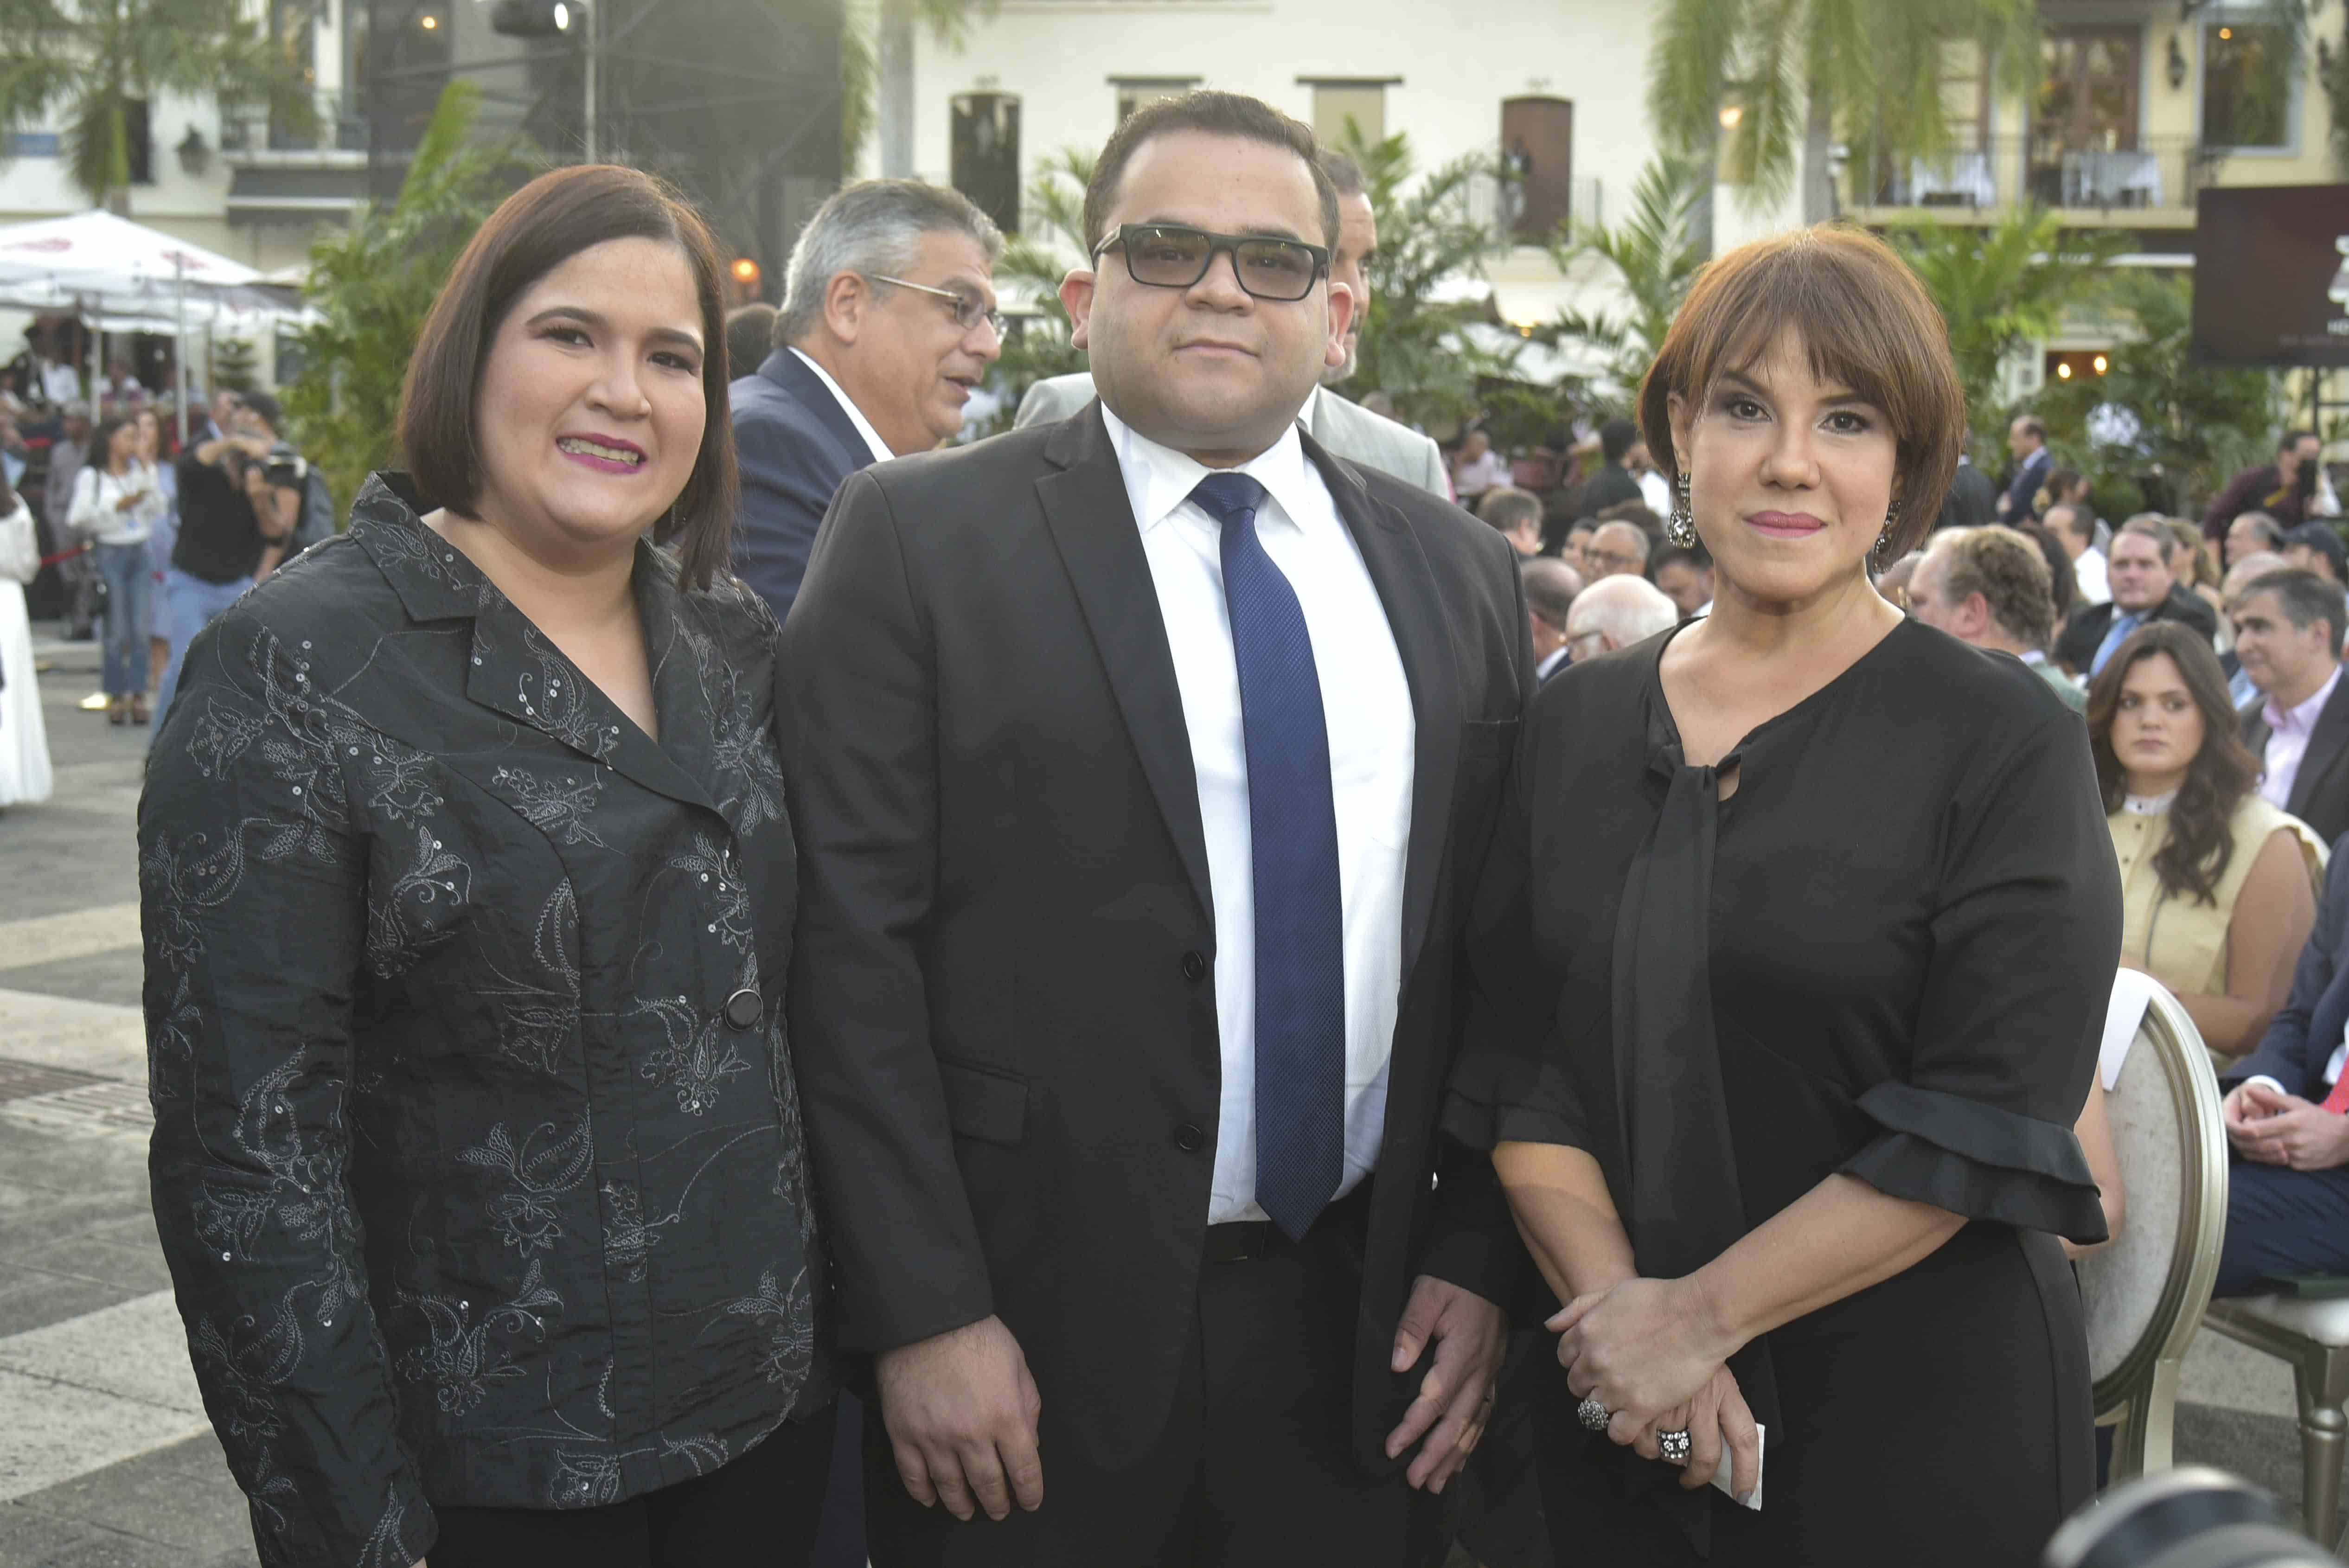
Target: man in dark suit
x,y
2288,1191
887,325
2143,588
1972,499
2027,440
1124,1111
1550,587
1614,483
2288,629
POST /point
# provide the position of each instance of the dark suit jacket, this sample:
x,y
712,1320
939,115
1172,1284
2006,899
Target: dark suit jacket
x,y
2084,633
2320,790
2023,489
1002,1004
2303,1037
1612,485
1973,501
793,443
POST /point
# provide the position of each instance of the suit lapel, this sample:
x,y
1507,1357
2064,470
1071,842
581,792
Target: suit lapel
x,y
1422,634
1093,526
790,372
2324,745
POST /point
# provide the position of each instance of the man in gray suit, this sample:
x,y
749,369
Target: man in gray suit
x,y
1349,430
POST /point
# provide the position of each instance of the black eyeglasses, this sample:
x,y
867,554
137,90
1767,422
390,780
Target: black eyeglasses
x,y
1165,256
968,310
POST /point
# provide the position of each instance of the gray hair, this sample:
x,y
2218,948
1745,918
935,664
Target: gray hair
x,y
1551,587
1627,609
874,226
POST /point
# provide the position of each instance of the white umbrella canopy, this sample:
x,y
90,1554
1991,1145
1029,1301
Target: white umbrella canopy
x,y
98,252
109,270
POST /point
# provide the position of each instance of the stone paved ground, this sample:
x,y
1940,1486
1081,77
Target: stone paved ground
x,y
106,1461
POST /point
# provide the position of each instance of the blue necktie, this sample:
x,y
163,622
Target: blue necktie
x,y
1300,963
2123,624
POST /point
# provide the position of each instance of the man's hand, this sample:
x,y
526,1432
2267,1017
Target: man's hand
x,y
2284,1129
1455,1397
961,1412
2247,1106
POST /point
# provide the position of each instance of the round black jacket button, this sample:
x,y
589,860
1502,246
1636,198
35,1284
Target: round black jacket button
x,y
1193,966
744,1009
1189,1138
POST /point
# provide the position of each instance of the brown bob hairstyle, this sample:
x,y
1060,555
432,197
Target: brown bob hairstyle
x,y
537,229
1862,318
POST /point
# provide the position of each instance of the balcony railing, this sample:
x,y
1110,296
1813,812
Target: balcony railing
x,y
1500,207
2157,174
341,127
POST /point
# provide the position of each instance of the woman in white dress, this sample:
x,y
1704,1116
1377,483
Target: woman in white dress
x,y
23,741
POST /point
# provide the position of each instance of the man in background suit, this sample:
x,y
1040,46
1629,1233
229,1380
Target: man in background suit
x,y
1550,589
887,325
2143,589
1347,429
2288,1190
2027,440
2288,629
1140,763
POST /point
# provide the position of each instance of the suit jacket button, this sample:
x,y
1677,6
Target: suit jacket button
x,y
1189,1138
1193,966
744,1009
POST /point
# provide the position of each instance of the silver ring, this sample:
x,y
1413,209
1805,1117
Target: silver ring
x,y
1675,1446
1591,1413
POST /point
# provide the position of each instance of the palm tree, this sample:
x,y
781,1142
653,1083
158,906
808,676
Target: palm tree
x,y
1654,259
87,62
374,282
1752,83
2000,288
1415,345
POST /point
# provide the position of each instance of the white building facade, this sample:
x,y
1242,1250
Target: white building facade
x,y
1558,84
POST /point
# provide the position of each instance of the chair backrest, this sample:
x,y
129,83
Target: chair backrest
x,y
2144,1293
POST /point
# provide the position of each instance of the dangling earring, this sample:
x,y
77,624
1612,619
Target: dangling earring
x,y
1681,527
1884,540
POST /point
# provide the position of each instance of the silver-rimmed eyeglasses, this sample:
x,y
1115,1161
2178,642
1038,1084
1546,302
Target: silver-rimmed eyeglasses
x,y
969,310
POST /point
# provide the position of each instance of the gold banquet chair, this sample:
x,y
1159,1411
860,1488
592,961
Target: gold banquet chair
x,y
2144,1293
2313,1333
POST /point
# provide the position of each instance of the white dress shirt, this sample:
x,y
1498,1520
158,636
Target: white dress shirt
x,y
2288,733
2088,571
1366,706
881,452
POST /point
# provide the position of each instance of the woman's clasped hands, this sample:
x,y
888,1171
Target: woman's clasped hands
x,y
1646,1349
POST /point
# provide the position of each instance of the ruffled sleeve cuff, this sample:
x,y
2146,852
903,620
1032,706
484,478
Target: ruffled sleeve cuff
x,y
1978,1160
1500,1098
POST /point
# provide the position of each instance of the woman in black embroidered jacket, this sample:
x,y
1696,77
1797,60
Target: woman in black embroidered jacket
x,y
468,899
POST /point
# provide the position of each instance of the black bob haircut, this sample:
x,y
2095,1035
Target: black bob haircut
x,y
536,230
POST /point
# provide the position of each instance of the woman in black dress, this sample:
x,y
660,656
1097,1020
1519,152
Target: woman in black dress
x,y
1790,957
467,894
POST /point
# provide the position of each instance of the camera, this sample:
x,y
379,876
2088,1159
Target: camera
x,y
284,466
2191,1517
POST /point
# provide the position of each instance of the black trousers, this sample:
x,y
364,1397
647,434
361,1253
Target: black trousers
x,y
1255,1469
759,1512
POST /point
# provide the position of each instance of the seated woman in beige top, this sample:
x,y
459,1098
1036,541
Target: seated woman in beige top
x,y
2218,887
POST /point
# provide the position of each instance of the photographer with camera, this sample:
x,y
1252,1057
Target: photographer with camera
x,y
240,503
